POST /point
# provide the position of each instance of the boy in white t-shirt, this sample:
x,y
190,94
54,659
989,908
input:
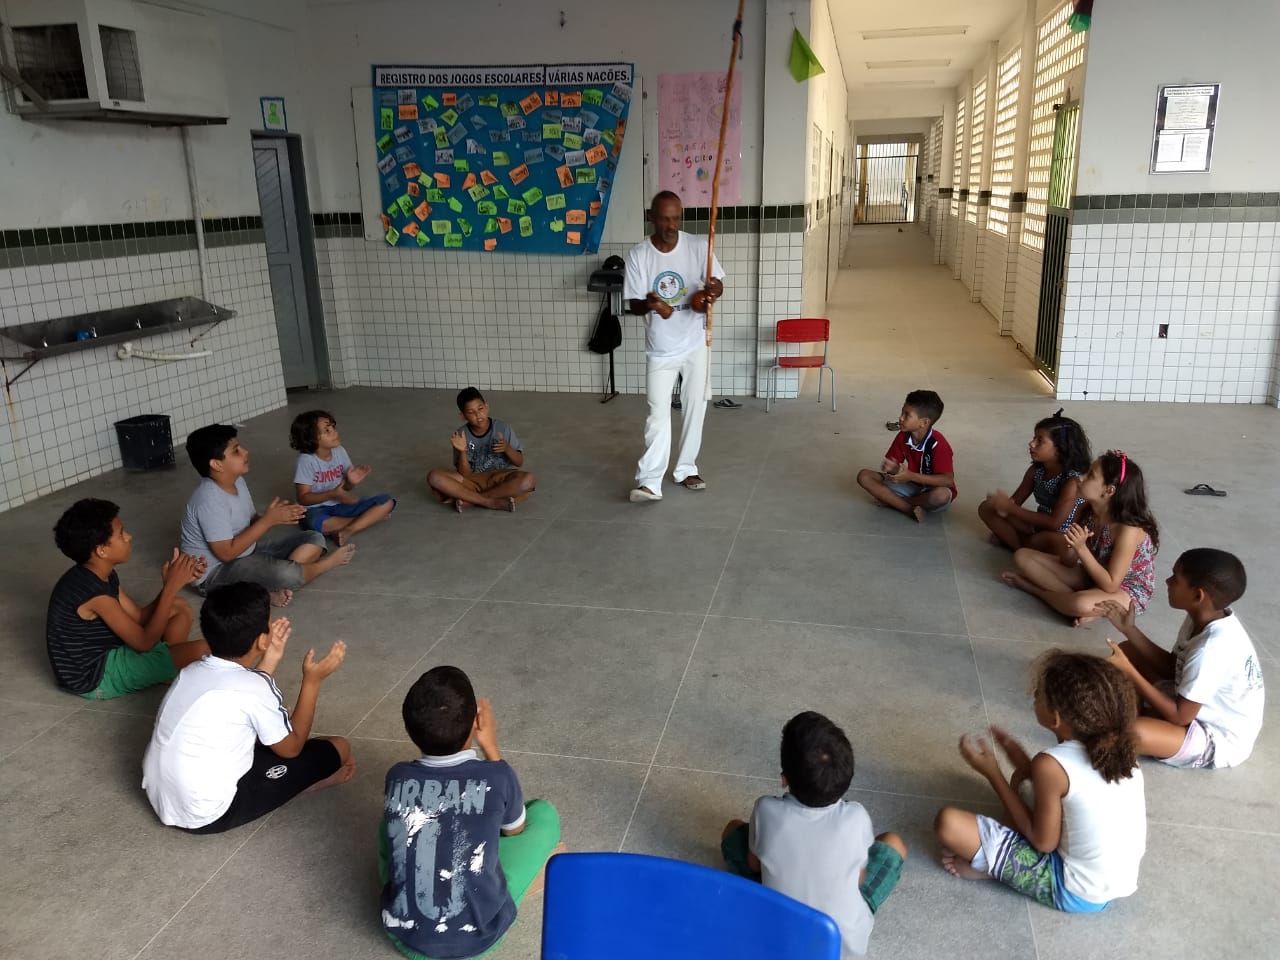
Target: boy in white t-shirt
x,y
225,749
813,845
1214,713
664,284
324,478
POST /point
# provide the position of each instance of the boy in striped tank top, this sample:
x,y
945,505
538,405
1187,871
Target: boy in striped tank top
x,y
101,643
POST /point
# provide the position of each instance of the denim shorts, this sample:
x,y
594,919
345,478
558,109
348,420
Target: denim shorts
x,y
912,489
317,515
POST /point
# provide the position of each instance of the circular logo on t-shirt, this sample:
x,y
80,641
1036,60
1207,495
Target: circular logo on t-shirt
x,y
276,772
670,286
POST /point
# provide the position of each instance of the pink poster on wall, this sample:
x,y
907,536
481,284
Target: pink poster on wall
x,y
689,111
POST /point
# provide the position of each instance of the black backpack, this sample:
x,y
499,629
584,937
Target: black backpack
x,y
607,335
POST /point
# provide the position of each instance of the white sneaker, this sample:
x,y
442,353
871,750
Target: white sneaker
x,y
643,495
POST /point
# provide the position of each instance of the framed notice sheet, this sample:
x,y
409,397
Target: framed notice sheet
x,y
1186,115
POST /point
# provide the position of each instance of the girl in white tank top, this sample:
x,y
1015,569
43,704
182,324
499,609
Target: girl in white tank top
x,y
1076,840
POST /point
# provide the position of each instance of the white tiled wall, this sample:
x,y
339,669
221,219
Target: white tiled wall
x,y
413,318
1000,276
973,262
58,426
1217,285
954,242
798,279
1026,297
994,250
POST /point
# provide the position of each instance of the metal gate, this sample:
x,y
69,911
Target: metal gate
x,y
885,182
1057,223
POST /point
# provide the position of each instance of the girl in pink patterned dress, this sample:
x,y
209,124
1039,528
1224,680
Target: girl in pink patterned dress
x,y
1112,547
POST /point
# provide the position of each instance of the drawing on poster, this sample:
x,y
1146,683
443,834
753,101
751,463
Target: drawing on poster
x,y
690,106
487,158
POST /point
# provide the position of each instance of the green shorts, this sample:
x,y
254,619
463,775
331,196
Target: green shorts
x,y
128,671
522,857
884,866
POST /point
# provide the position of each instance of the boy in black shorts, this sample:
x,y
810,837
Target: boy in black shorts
x,y
225,750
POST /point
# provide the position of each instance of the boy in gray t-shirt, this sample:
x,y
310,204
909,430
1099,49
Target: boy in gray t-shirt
x,y
487,459
237,544
810,843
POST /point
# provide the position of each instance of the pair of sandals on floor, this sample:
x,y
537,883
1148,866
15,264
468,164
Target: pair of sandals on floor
x,y
645,495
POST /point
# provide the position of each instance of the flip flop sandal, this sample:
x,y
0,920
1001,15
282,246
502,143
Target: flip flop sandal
x,y
693,482
1204,490
727,404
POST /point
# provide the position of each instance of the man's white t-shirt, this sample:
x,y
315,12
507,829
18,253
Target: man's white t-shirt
x,y
209,721
814,855
1218,668
675,275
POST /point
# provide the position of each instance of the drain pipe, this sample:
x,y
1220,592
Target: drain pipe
x,y
193,186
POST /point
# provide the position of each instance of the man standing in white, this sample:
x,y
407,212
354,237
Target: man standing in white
x,y
663,285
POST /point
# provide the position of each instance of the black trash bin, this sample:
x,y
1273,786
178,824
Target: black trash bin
x,y
145,442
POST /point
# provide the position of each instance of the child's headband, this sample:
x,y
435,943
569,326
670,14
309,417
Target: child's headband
x,y
1124,461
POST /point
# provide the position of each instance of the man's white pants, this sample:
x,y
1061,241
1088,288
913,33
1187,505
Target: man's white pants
x,y
662,375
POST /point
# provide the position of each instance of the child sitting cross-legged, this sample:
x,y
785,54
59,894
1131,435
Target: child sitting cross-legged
x,y
458,848
1111,547
813,845
101,643
324,478
225,750
1075,840
487,462
1205,697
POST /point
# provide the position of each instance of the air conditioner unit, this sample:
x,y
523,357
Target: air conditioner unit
x,y
120,60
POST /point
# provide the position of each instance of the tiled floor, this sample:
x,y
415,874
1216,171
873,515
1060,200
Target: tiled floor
x,y
642,659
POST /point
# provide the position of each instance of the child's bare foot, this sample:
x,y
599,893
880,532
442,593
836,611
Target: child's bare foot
x,y
918,514
344,554
958,866
503,503
281,598
341,537
1014,579
1083,621
540,880
460,505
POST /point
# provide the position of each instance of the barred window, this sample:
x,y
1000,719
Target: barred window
x,y
1002,144
977,136
1058,52
957,157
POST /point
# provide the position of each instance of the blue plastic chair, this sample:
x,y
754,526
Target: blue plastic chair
x,y
625,906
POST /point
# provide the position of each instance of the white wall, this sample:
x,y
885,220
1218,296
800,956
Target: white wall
x,y
80,172
885,105
345,39
828,110
1181,41
58,426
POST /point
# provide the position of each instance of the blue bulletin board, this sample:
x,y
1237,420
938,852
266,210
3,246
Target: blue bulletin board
x,y
501,159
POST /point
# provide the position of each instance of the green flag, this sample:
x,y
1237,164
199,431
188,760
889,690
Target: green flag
x,y
804,64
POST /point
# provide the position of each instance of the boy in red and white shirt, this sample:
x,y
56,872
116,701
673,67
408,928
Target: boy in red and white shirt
x,y
918,472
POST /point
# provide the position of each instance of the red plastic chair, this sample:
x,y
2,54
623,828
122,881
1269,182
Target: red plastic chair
x,y
811,330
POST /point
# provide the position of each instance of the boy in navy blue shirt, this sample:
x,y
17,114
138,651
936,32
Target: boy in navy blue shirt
x,y
443,817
